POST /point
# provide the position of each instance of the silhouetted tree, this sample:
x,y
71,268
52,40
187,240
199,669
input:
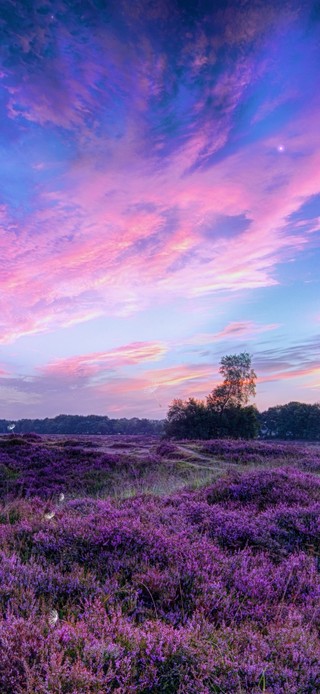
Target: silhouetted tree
x,y
187,419
238,383
225,413
227,402
242,422
295,420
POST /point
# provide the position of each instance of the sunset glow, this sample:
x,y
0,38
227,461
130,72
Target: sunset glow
x,y
160,202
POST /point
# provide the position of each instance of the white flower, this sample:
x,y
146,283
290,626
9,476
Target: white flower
x,y
49,515
53,617
61,497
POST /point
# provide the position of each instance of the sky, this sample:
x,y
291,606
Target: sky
x,y
159,202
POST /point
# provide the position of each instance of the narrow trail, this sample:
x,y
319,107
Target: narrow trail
x,y
194,454
217,464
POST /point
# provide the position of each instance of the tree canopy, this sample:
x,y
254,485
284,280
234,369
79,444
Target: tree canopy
x,y
295,420
238,383
225,412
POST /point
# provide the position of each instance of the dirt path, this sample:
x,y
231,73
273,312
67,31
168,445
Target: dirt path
x,y
194,454
216,464
199,457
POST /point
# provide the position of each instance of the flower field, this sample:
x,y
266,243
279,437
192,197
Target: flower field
x,y
110,584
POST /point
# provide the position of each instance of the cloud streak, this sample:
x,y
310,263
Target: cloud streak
x,y
87,365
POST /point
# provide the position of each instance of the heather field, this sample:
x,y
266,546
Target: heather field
x,y
134,565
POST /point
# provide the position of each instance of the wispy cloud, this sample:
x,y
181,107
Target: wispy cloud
x,y
232,331
90,364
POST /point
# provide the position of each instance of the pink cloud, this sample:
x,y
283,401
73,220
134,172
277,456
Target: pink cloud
x,y
74,383
90,364
151,393
234,330
288,374
84,252
172,376
94,383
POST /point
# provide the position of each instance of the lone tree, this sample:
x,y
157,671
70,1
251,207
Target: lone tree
x,y
238,383
225,412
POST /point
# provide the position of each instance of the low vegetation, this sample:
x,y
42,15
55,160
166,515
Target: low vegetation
x,y
213,587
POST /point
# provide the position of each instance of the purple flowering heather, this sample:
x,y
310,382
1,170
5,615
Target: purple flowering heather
x,y
213,590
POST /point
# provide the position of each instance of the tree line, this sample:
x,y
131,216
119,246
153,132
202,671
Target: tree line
x,y
296,420
84,424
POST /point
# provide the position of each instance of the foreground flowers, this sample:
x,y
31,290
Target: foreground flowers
x,y
216,590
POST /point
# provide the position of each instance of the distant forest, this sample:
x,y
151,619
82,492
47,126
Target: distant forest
x,y
83,424
294,421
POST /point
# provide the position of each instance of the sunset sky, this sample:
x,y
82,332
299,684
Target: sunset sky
x,y
160,202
